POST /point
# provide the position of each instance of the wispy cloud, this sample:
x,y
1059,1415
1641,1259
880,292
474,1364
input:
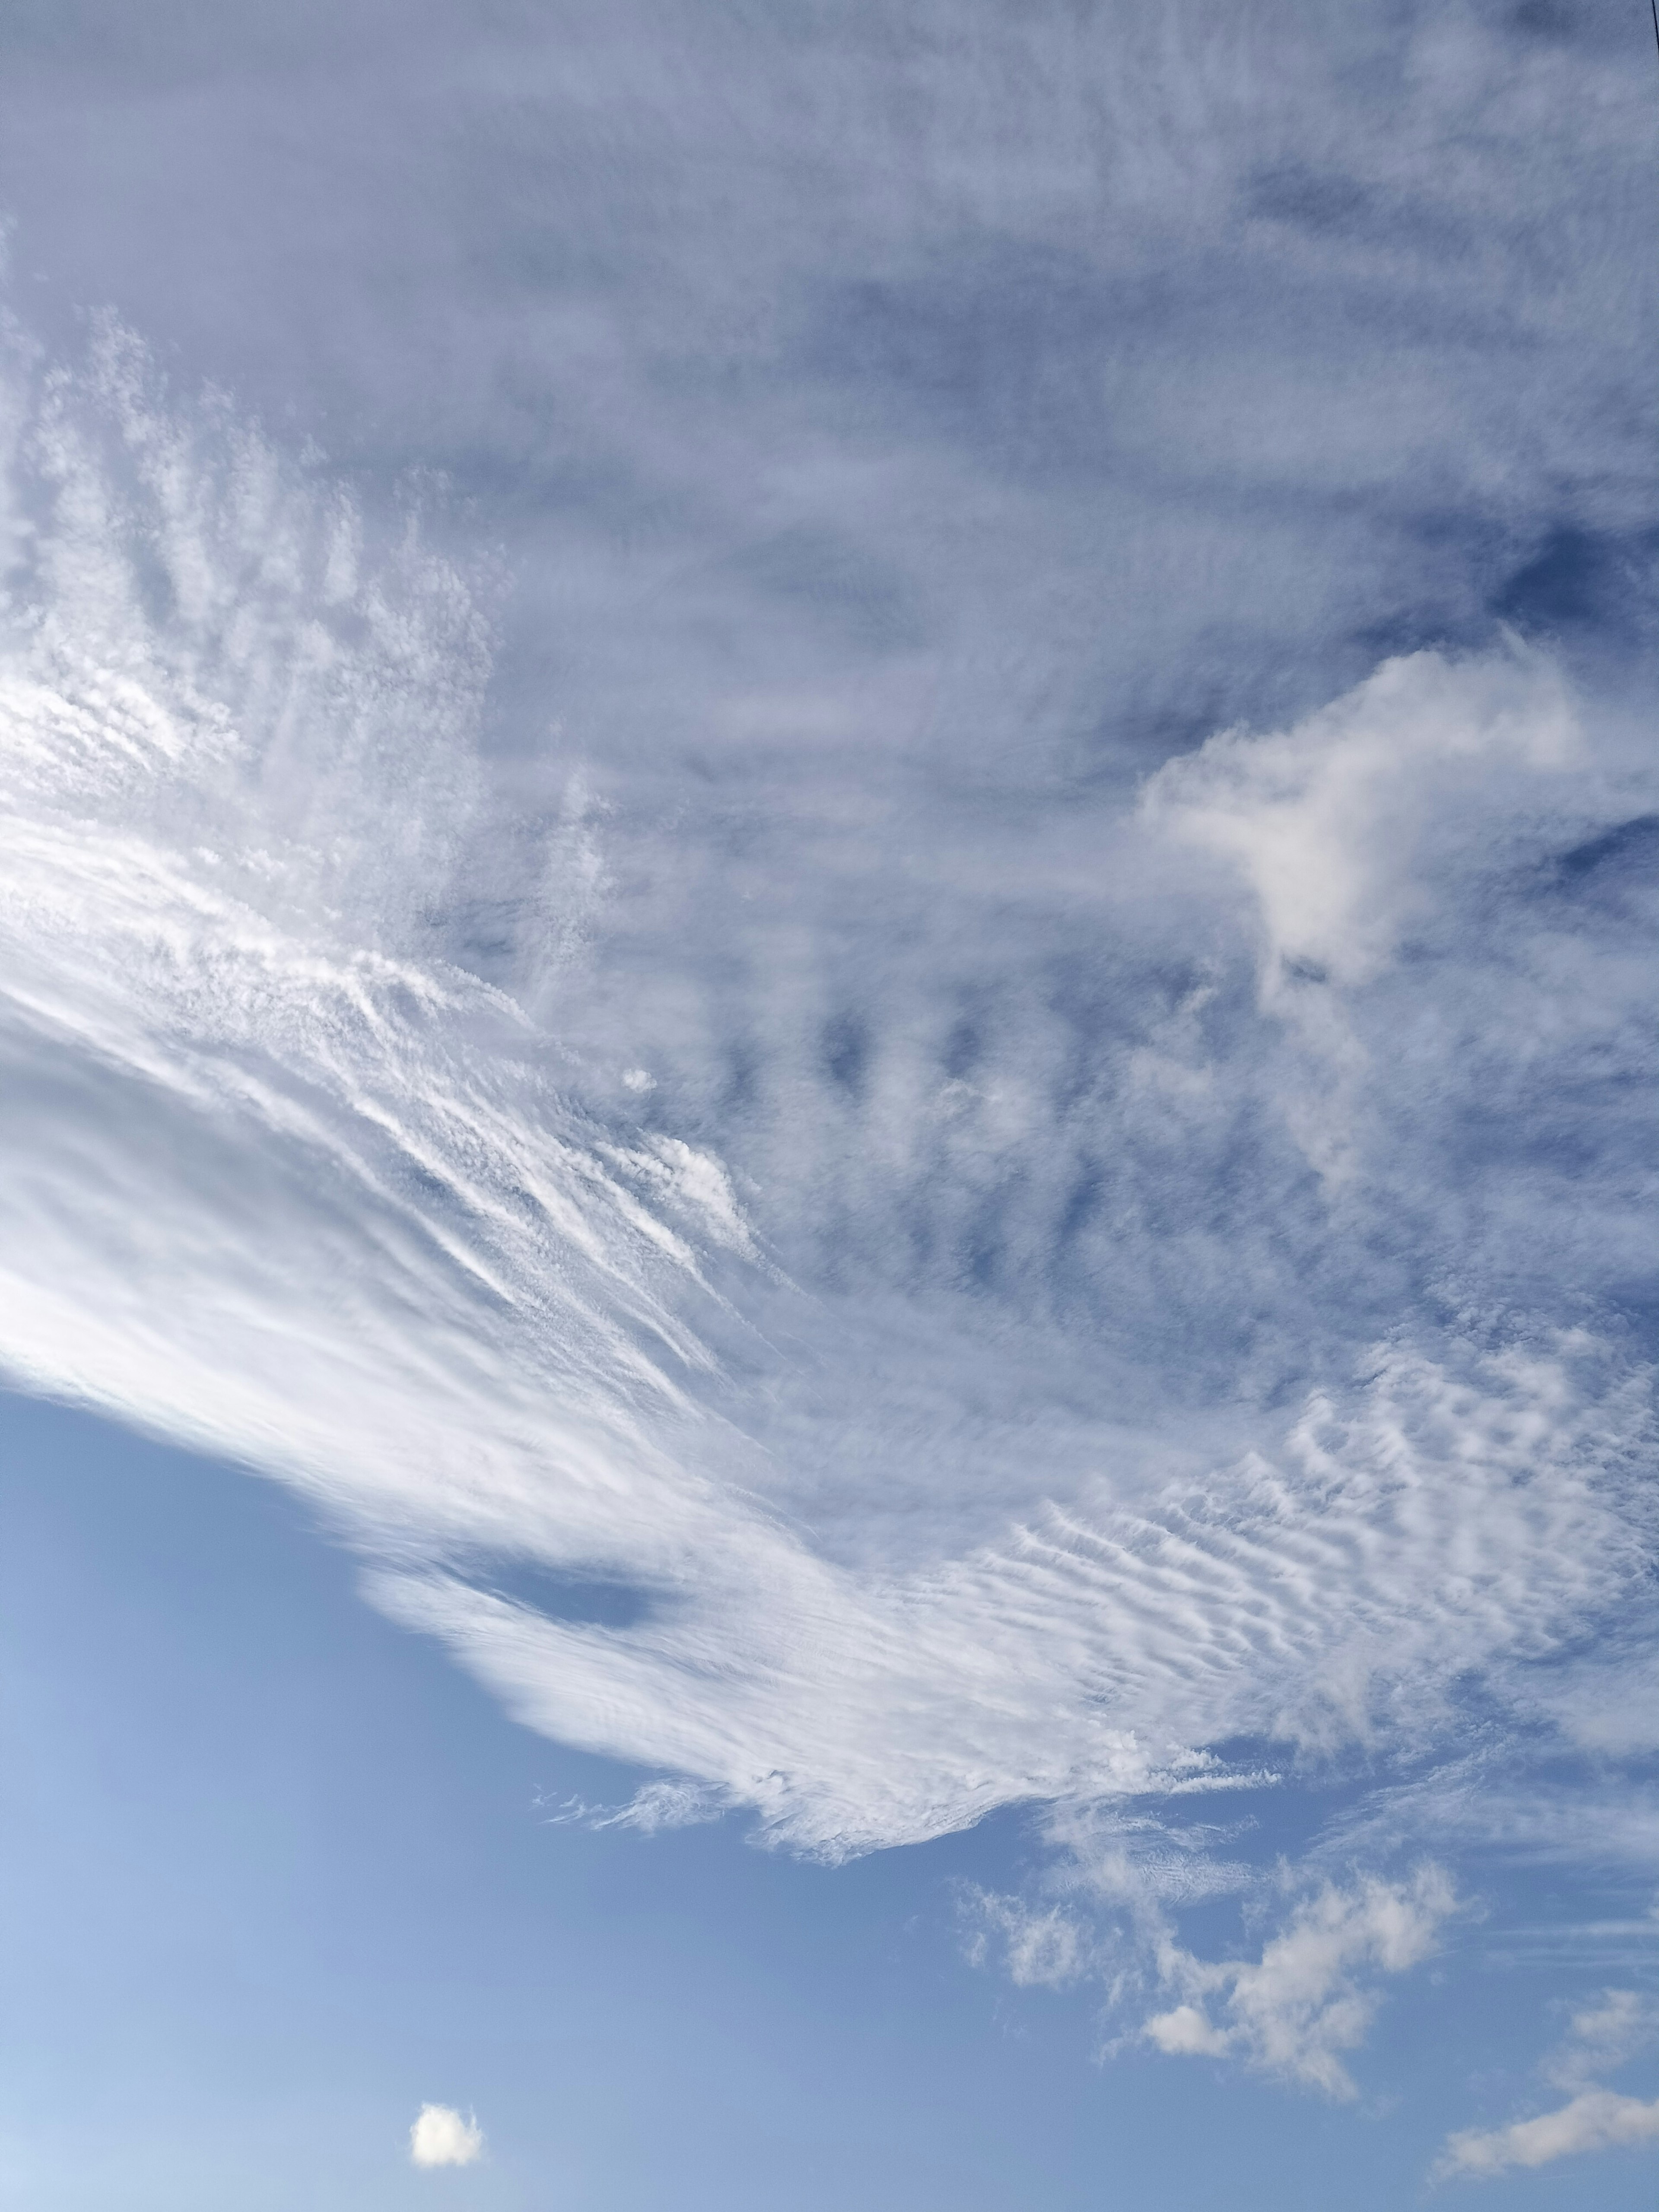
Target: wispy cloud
x,y
1602,2036
658,1805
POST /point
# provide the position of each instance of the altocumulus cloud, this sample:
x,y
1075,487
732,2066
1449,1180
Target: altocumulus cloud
x,y
1119,1312
441,2137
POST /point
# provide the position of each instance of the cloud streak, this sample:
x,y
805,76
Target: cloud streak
x,y
1601,2037
1595,2119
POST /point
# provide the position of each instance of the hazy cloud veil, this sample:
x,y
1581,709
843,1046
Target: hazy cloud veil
x,y
885,1244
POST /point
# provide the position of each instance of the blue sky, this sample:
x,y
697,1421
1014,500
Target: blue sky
x,y
278,1874
829,876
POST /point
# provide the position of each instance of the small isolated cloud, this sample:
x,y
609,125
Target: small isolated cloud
x,y
1306,2000
1602,2036
442,2137
1597,2120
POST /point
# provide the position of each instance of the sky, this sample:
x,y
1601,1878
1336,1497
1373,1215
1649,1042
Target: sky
x,y
826,1049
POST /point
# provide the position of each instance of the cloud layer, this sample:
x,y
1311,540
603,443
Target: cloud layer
x,y
1014,1163
304,1190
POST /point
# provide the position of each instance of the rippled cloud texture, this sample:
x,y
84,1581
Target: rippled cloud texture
x,y
1017,1167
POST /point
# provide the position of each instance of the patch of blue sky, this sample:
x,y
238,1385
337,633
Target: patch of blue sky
x,y
276,1874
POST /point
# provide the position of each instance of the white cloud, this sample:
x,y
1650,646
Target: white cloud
x,y
658,1806
1599,2036
1595,2119
1040,1946
920,1522
1490,1797
1339,827
441,2137
1327,821
1308,1998
851,1714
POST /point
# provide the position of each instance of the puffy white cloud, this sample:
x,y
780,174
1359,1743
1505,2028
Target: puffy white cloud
x,y
1348,829
441,2137
1185,2031
1327,821
1595,2119
1307,1998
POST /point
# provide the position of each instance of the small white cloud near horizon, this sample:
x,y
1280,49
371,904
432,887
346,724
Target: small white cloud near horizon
x,y
442,2137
